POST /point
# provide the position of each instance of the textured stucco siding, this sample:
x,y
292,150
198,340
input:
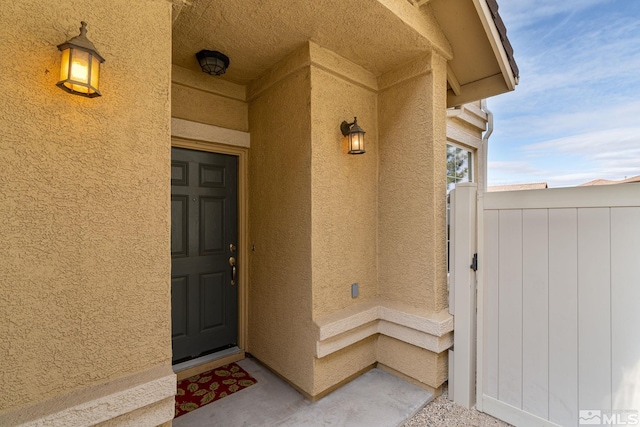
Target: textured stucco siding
x,y
315,210
85,214
344,194
210,108
84,218
199,97
411,205
439,129
422,365
341,365
344,210
280,326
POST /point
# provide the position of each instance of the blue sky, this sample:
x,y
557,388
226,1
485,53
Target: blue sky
x,y
575,116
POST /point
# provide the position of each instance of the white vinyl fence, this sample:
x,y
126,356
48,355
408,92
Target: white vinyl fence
x,y
558,305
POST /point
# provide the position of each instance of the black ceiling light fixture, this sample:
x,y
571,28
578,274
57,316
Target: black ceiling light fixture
x,y
213,62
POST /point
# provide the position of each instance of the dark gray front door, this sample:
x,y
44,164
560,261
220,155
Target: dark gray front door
x,y
204,234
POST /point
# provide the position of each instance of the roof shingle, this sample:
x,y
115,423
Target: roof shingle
x,y
502,30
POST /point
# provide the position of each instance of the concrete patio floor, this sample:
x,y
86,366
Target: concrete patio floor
x,y
375,399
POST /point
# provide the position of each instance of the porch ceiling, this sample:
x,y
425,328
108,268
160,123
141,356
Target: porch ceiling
x,y
256,35
379,35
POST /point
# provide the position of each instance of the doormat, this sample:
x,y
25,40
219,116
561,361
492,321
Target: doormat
x,y
209,386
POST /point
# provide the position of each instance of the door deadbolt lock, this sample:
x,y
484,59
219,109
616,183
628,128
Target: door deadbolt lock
x,y
232,247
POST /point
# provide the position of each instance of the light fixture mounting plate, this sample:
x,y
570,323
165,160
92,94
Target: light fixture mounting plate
x,y
345,128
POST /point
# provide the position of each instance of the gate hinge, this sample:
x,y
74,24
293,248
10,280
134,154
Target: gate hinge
x,y
474,262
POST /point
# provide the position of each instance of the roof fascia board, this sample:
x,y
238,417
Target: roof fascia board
x,y
453,81
484,13
480,89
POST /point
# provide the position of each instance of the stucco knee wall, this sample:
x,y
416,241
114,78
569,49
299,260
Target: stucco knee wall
x,y
397,328
145,398
425,366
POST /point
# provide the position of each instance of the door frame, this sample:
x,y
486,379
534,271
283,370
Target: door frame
x,y
213,139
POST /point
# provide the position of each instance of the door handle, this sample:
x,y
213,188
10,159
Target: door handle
x,y
232,263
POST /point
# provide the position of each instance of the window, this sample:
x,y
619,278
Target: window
x,y
459,169
459,166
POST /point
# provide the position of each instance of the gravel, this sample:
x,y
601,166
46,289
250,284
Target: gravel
x,y
442,412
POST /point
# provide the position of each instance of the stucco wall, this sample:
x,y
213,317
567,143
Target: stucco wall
x,y
313,213
338,367
202,98
344,204
308,194
412,262
344,194
84,218
427,367
280,305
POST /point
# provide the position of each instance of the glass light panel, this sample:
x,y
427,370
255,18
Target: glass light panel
x,y
64,66
80,66
95,73
78,88
356,142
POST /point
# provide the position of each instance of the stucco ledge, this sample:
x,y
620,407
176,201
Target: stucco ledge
x,y
126,401
431,331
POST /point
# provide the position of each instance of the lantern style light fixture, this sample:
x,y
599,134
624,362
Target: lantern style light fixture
x,y
80,68
356,136
213,62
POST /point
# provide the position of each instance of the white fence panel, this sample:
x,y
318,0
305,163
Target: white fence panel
x,y
510,307
563,316
559,319
625,308
535,312
489,341
594,309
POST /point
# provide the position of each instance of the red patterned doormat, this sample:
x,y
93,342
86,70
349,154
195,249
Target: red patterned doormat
x,y
199,390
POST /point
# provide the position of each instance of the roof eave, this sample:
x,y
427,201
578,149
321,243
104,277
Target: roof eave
x,y
488,86
488,19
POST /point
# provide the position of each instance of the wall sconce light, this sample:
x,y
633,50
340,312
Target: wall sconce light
x,y
356,136
213,62
80,68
